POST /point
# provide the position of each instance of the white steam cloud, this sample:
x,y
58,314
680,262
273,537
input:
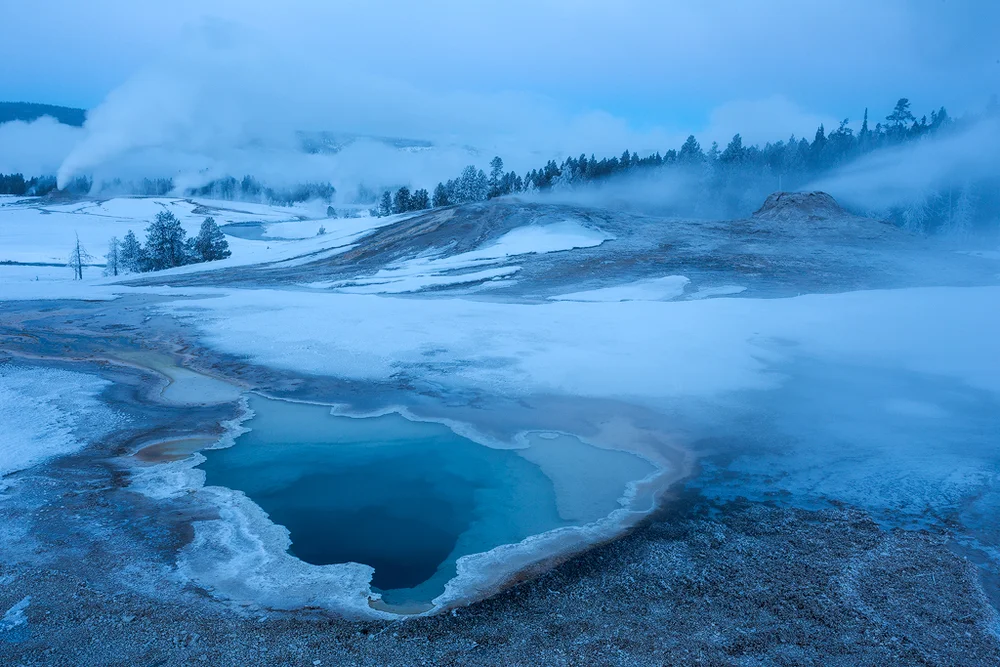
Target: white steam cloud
x,y
227,102
36,148
905,174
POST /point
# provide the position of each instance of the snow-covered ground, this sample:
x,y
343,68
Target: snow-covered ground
x,y
637,349
40,412
622,340
36,238
652,338
38,231
439,269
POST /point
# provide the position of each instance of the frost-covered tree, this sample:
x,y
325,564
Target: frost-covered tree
x,y
464,184
495,182
112,266
817,151
691,151
471,186
130,254
914,215
734,153
210,244
78,257
732,182
385,205
962,212
440,197
712,156
165,245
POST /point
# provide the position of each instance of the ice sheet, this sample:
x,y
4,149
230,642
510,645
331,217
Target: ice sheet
x,y
653,289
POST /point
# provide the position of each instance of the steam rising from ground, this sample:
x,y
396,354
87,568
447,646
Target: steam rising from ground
x,y
227,99
905,174
231,102
959,165
36,148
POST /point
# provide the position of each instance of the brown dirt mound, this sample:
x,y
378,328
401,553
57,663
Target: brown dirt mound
x,y
800,206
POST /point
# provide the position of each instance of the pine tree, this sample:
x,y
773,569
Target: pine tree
x,y
901,114
401,202
865,135
440,197
385,205
210,244
496,178
817,151
691,151
130,254
896,129
734,151
480,187
165,242
939,118
713,153
625,161
465,186
420,200
840,143
112,266
962,212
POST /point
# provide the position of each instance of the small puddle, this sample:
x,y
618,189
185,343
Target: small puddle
x,y
411,498
174,450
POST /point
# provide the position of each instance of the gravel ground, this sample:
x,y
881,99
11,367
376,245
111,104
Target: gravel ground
x,y
737,584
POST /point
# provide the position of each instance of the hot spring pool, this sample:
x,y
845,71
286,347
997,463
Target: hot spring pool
x,y
410,498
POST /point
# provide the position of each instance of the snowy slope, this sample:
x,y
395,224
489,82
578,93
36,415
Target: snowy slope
x,y
441,269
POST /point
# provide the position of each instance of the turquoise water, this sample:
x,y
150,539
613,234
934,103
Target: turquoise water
x,y
408,498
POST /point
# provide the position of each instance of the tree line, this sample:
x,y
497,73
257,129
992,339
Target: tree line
x,y
231,189
166,246
732,181
39,186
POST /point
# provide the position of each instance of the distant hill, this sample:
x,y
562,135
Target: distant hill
x,y
29,111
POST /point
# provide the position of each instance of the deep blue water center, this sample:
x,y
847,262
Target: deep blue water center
x,y
408,498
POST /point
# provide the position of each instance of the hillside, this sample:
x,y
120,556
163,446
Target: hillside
x,y
29,111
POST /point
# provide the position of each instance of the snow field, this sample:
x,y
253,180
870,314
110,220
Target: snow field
x,y
42,411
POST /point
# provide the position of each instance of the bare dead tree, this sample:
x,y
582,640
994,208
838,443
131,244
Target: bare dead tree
x,y
113,265
77,258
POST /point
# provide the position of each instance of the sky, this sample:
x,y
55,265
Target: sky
x,y
527,79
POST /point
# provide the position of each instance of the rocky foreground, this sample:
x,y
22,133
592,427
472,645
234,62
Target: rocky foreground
x,y
736,584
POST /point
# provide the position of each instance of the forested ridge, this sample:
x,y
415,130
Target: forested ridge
x,y
716,181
